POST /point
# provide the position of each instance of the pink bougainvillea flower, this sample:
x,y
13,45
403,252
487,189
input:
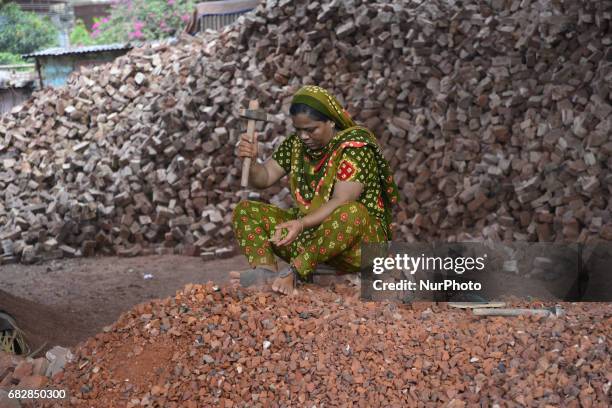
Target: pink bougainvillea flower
x,y
136,34
138,25
95,25
95,33
104,20
185,17
170,2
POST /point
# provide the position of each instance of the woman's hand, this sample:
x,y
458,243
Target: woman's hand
x,y
246,148
294,228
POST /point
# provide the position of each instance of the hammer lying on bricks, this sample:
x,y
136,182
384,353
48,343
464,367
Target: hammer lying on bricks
x,y
252,114
556,311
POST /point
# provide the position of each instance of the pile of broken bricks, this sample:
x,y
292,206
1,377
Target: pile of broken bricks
x,y
26,373
495,119
234,347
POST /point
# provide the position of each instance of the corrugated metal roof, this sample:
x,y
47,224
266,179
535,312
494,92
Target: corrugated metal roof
x,y
54,52
225,7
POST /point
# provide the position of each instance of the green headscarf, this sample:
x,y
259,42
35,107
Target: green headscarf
x,y
350,135
322,101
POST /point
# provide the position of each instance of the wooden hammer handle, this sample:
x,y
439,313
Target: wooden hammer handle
x,y
246,164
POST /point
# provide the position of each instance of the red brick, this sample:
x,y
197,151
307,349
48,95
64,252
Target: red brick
x,y
33,382
7,381
39,366
7,363
23,369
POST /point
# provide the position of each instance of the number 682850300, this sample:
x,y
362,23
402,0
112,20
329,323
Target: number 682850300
x,y
37,394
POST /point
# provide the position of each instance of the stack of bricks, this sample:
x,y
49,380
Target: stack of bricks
x,y
495,118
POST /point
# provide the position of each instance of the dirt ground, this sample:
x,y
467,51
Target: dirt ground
x,y
63,302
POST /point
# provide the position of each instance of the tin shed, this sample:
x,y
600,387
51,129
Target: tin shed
x,y
54,65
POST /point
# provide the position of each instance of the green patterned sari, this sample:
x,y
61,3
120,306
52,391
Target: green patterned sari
x,y
352,155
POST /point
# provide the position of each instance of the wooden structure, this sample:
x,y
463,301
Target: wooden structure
x,y
43,7
15,86
218,14
87,10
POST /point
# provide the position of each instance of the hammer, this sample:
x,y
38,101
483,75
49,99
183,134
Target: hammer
x,y
252,114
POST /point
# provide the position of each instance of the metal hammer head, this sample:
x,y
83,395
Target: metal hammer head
x,y
256,115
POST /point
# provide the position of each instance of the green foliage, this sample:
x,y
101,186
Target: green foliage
x,y
22,32
80,36
142,20
6,58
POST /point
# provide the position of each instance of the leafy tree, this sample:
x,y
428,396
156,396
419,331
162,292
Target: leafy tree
x,y
142,20
79,35
23,32
6,58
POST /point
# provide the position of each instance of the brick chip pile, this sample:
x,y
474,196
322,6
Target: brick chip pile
x,y
23,373
496,118
236,348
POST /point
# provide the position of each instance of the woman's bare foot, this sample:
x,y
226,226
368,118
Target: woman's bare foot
x,y
234,278
284,285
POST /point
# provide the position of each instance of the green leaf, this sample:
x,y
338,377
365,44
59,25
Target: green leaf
x,y
23,32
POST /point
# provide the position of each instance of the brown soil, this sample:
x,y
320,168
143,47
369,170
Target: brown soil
x,y
66,301
45,326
